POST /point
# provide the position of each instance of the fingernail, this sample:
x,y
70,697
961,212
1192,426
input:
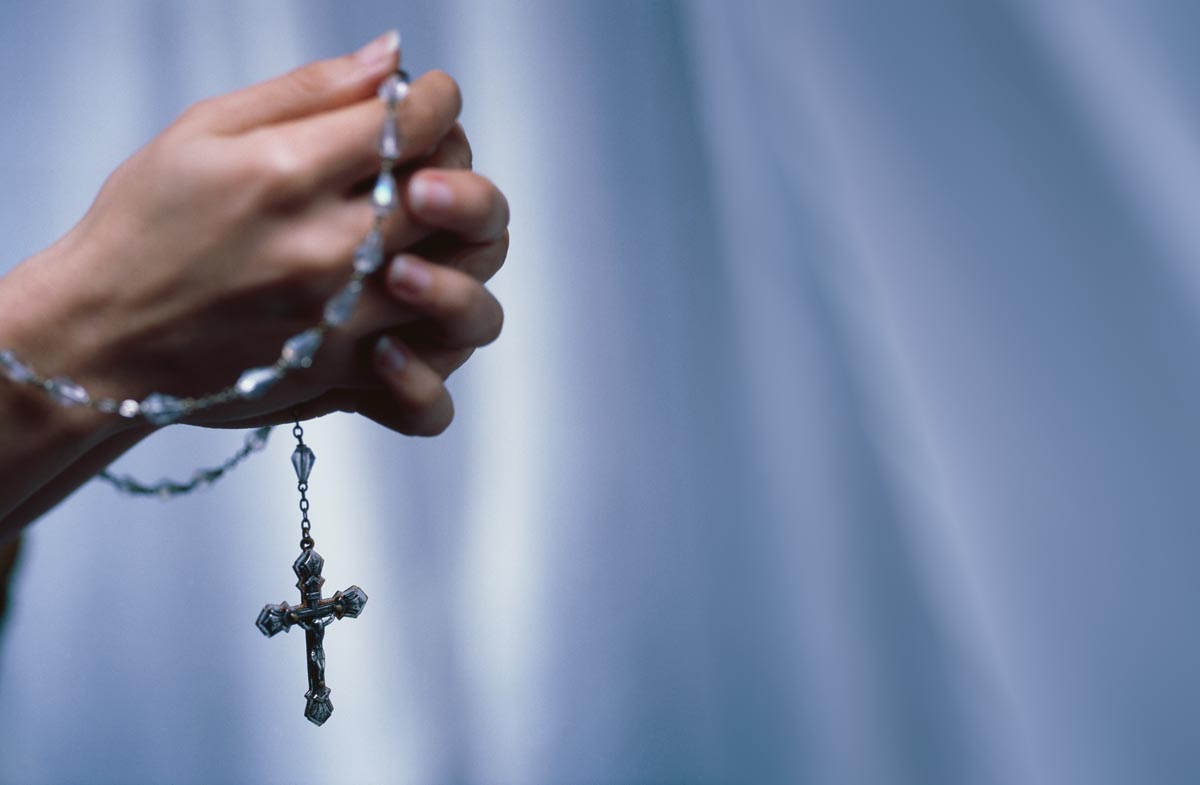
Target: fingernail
x,y
380,51
389,357
426,193
408,277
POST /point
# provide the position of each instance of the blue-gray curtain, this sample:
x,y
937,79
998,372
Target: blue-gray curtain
x,y
842,430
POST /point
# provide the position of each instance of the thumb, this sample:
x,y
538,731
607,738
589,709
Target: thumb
x,y
316,87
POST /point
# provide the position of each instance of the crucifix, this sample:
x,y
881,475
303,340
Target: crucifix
x,y
313,613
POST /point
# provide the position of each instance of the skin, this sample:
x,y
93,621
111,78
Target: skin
x,y
224,236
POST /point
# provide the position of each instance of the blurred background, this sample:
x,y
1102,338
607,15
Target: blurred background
x,y
842,429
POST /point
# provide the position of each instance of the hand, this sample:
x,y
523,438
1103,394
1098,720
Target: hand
x,y
441,279
225,235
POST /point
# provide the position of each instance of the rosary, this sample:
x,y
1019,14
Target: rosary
x,y
314,612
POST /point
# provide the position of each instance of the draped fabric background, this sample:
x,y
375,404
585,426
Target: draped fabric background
x,y
842,429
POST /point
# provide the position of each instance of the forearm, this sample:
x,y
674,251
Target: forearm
x,y
45,455
43,444
69,480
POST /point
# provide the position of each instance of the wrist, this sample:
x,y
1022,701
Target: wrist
x,y
49,325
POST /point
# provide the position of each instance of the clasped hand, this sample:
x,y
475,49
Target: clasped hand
x,y
226,234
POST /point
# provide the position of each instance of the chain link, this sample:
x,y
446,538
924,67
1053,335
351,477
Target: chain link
x,y
306,540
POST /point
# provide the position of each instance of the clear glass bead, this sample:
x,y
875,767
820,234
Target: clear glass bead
x,y
393,90
341,305
386,88
298,351
107,405
258,438
384,195
161,409
129,409
256,381
389,140
369,255
14,369
67,392
303,460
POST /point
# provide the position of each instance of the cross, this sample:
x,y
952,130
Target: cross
x,y
312,615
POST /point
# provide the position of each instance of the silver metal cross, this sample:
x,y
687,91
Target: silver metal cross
x,y
312,615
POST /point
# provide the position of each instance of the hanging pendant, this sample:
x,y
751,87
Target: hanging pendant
x,y
314,612
311,615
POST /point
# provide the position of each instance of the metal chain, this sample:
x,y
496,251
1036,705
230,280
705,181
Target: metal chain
x,y
256,440
306,540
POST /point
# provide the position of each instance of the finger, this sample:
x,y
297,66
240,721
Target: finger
x,y
336,400
353,374
316,87
400,231
420,404
459,311
446,307
463,203
443,361
481,261
453,151
341,147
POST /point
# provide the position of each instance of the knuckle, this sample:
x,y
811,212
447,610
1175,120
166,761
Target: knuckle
x,y
279,168
454,151
315,251
488,260
458,294
199,113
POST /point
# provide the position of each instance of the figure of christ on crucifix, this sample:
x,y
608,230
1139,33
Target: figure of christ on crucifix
x,y
312,615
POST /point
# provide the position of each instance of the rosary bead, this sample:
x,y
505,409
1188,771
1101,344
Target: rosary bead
x,y
129,409
14,369
67,392
369,256
384,195
161,409
257,439
303,460
393,90
389,142
256,381
341,305
298,351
